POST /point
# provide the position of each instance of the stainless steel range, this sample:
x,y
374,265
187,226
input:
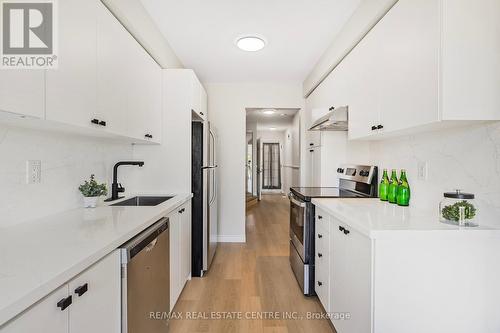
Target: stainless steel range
x,y
355,181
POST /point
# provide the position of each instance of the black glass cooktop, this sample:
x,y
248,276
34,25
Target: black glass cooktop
x,y
307,193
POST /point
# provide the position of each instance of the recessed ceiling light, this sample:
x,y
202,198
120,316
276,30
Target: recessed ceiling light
x,y
272,128
251,43
268,112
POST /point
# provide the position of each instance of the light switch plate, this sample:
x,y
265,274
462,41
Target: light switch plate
x,y
33,171
422,170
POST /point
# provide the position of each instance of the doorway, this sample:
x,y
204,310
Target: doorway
x,y
249,166
271,166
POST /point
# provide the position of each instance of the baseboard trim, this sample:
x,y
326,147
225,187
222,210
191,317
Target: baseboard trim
x,y
231,239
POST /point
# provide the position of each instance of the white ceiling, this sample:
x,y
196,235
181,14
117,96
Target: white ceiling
x,y
203,32
281,119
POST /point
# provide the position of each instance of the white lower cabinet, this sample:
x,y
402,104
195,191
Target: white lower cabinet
x,y
322,259
351,279
91,302
180,251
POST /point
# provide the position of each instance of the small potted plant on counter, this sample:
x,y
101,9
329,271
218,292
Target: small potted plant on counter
x,y
91,191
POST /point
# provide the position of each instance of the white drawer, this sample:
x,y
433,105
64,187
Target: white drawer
x,y
322,220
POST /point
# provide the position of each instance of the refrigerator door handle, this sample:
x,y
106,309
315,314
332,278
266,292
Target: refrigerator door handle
x,y
209,167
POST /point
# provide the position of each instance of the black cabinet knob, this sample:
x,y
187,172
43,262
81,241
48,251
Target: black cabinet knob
x,y
374,128
380,126
201,113
320,283
320,217
320,236
346,232
64,303
320,255
82,289
102,123
95,121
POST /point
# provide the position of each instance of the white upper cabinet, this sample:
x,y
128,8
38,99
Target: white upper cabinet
x,y
408,56
23,92
71,96
421,66
199,97
470,79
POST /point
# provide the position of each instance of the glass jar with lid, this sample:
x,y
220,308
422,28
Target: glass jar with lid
x,y
458,208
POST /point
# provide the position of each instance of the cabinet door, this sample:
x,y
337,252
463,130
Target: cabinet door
x,y
362,76
116,91
146,101
175,257
44,316
409,63
358,268
315,166
71,95
99,308
203,103
186,243
23,92
339,288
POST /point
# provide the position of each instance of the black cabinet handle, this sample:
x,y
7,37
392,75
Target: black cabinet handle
x,y
320,255
95,121
182,210
346,232
341,228
149,136
102,123
82,289
201,113
320,236
320,217
380,126
311,151
64,303
311,144
331,108
320,283
374,128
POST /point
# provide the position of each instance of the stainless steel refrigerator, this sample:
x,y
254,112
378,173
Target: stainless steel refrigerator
x,y
205,196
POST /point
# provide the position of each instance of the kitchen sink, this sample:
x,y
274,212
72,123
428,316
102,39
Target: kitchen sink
x,y
142,201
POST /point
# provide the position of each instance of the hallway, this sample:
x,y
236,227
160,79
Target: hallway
x,y
250,280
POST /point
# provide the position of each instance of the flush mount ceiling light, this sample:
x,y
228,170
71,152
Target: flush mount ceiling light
x,y
251,43
268,112
272,128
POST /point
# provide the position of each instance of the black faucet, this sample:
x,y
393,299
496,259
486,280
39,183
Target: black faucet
x,y
117,187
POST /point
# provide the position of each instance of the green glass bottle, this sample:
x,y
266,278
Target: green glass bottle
x,y
383,189
393,187
403,194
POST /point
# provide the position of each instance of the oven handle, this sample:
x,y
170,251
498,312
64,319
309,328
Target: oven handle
x,y
296,202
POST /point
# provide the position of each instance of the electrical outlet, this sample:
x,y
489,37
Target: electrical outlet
x,y
33,172
422,170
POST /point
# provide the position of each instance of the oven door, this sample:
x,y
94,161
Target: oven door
x,y
298,225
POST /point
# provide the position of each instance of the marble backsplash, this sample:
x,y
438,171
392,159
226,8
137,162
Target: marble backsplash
x,y
66,159
466,158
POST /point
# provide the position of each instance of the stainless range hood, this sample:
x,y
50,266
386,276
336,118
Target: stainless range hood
x,y
335,120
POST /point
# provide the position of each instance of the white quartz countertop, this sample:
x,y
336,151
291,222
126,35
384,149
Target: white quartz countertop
x,y
377,219
39,256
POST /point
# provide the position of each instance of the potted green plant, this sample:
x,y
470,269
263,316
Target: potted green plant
x,y
91,191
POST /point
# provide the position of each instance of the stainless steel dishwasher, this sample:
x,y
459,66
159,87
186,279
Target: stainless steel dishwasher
x,y
146,280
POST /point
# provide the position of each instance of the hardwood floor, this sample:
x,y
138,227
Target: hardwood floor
x,y
251,280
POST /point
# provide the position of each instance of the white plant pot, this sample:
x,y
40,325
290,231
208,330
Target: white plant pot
x,y
90,202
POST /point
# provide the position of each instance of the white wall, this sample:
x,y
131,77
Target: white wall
x,y
227,103
461,158
67,160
